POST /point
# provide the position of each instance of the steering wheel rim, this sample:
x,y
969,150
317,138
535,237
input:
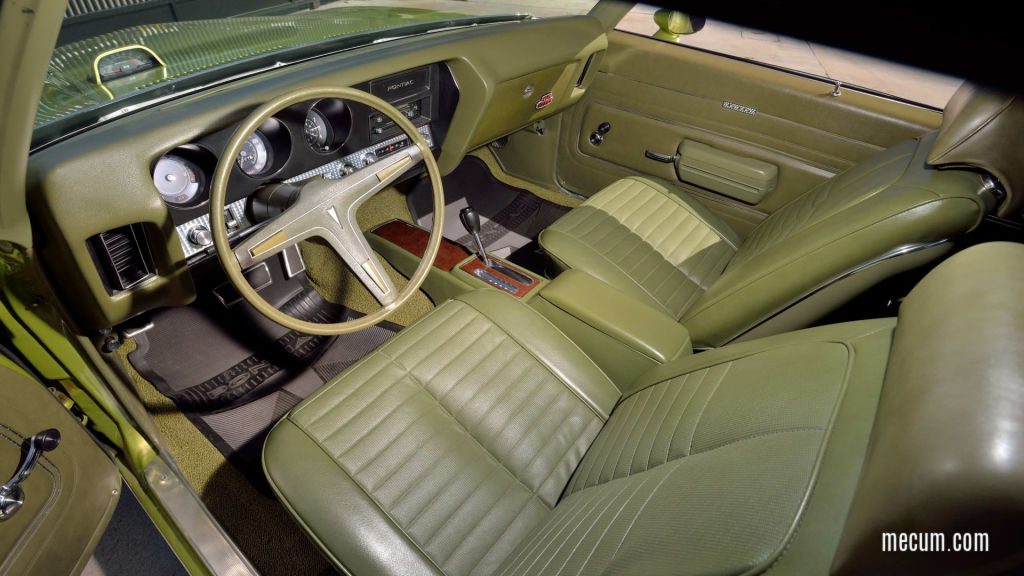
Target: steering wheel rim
x,y
328,197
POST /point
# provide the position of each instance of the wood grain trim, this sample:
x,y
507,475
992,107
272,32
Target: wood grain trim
x,y
521,289
413,239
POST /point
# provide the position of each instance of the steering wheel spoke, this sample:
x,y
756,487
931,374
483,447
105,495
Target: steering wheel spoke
x,y
362,184
351,245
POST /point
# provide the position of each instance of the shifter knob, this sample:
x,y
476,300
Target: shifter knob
x,y
471,221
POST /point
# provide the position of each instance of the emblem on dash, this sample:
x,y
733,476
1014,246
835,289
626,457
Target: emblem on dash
x,y
739,107
545,101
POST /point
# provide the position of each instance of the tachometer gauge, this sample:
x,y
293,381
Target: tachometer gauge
x,y
178,180
317,131
255,155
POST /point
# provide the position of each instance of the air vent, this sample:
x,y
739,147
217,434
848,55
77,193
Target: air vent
x,y
123,257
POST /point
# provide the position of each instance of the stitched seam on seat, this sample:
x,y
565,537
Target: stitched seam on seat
x,y
700,415
682,413
597,542
328,437
547,534
678,201
461,427
620,432
760,435
445,308
370,497
474,338
628,435
465,500
626,275
502,534
647,423
504,393
383,481
593,515
555,469
483,386
976,130
589,404
366,432
761,243
390,443
640,511
708,305
812,484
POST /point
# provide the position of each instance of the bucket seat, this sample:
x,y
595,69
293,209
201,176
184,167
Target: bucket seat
x,y
891,213
481,440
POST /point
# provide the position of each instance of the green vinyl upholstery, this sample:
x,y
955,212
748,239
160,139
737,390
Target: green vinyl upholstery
x,y
482,441
661,248
668,251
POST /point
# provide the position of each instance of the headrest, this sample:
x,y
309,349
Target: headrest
x,y
984,128
947,451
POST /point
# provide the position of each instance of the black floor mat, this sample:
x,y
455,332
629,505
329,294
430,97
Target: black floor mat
x,y
511,218
235,381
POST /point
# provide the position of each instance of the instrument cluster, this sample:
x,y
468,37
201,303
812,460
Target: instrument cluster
x,y
183,175
325,138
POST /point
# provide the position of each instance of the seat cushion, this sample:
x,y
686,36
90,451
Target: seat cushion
x,y
646,241
446,447
712,463
481,441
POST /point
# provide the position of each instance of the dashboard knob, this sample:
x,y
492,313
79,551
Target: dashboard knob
x,y
200,236
347,169
370,158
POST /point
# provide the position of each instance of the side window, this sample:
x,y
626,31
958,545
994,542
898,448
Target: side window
x,y
832,64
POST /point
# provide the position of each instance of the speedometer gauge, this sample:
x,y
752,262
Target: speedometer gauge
x,y
255,155
177,179
316,131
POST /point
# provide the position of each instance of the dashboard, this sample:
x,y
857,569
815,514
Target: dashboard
x,y
327,138
120,212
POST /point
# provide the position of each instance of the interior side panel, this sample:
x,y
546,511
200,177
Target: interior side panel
x,y
655,94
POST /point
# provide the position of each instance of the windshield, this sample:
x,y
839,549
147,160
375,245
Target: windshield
x,y
117,56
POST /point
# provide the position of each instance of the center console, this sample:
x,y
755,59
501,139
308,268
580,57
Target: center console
x,y
456,269
623,336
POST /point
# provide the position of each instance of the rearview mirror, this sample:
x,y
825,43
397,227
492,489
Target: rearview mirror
x,y
673,24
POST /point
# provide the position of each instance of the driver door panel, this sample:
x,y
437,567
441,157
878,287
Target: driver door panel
x,y
69,496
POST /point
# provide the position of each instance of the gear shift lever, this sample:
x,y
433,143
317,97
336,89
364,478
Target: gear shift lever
x,y
471,221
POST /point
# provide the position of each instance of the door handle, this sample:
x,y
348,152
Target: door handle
x,y
11,494
659,157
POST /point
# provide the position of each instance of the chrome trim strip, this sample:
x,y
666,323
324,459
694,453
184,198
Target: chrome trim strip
x,y
901,251
193,520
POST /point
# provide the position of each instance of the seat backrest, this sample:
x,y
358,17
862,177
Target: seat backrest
x,y
981,128
947,451
893,201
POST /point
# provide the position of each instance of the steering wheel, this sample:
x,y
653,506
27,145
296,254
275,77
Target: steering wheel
x,y
326,208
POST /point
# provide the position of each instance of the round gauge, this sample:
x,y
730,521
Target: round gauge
x,y
255,156
178,180
317,131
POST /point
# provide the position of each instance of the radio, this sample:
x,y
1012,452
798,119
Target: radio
x,y
410,92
